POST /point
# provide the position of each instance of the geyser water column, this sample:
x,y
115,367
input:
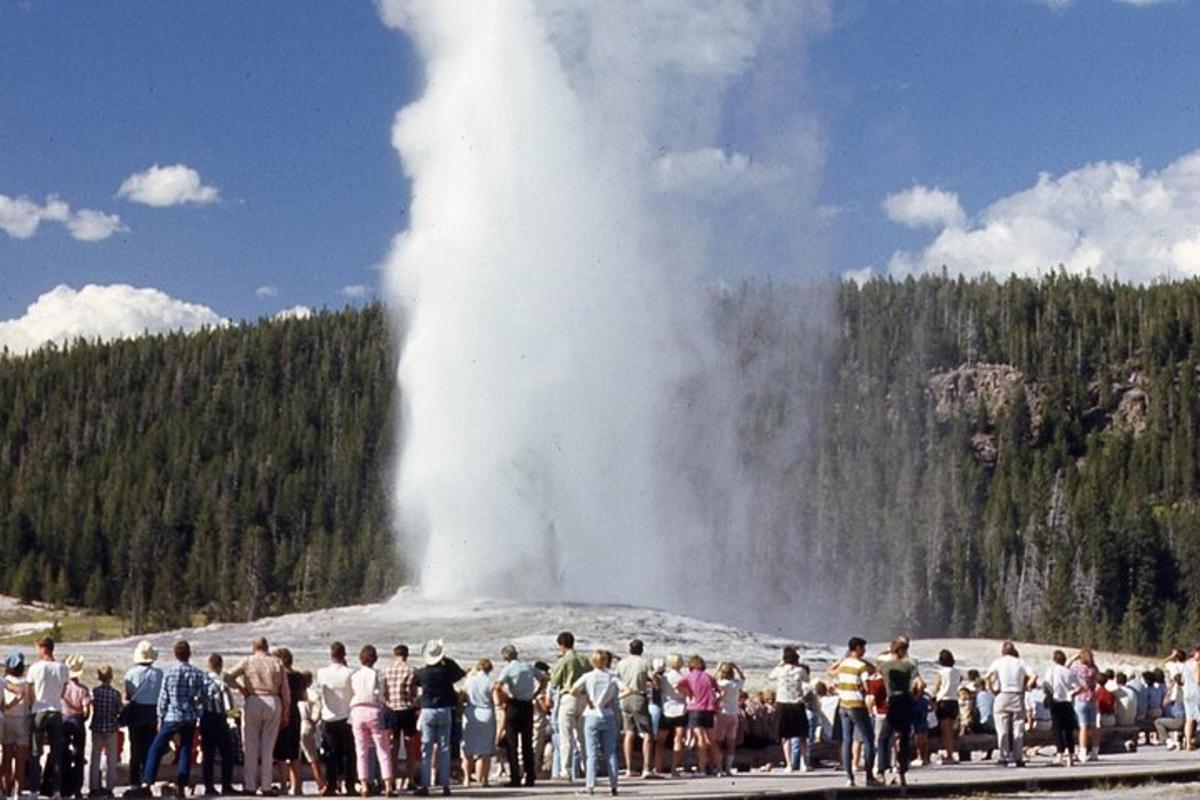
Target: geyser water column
x,y
549,305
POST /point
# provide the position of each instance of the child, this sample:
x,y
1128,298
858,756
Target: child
x,y
106,708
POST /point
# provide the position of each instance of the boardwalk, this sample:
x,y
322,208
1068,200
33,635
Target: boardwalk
x,y
1149,764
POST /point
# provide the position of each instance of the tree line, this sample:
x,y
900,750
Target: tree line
x,y
944,456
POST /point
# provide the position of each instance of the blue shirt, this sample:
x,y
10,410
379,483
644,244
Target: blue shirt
x,y
520,680
142,684
184,690
984,701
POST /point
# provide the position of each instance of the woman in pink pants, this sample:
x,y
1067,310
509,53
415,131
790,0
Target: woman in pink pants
x,y
366,710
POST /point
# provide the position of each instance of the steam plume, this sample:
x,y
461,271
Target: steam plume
x,y
569,423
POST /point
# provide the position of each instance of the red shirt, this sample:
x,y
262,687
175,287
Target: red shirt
x,y
877,689
1106,703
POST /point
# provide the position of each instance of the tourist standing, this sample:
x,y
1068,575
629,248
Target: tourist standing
x,y
18,723
438,699
791,683
598,689
899,672
261,680
945,695
479,724
366,703
673,725
1087,714
333,684
1191,698
730,680
106,709
636,675
566,671
1009,678
76,707
215,736
142,684
287,745
180,706
700,691
310,718
851,675
402,700
519,683
1061,685
47,679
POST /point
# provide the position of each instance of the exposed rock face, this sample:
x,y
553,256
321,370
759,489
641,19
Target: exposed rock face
x,y
961,390
984,446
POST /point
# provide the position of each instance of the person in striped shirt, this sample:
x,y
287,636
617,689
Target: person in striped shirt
x,y
851,674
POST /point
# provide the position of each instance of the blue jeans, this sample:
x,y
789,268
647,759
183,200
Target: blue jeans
x,y
600,731
435,730
898,724
186,730
856,724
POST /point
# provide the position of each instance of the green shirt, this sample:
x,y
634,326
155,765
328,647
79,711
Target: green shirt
x,y
898,676
568,669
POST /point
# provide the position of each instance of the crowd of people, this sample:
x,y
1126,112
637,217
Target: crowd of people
x,y
375,728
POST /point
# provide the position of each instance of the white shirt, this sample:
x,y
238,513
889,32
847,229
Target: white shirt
x,y
1191,682
1061,683
1173,670
1126,707
791,681
365,687
1011,673
336,691
951,679
22,687
48,679
601,688
730,691
673,704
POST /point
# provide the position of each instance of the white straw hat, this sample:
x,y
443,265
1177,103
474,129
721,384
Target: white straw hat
x,y
144,653
433,652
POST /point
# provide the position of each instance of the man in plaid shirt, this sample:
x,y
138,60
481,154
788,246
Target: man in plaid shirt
x,y
401,687
180,704
106,707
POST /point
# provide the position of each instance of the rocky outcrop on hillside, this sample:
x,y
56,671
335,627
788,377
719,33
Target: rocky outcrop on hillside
x,y
962,390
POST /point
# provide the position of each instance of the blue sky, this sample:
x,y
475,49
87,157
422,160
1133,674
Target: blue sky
x,y
286,109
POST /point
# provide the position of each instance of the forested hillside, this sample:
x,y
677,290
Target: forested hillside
x,y
944,456
234,472
989,458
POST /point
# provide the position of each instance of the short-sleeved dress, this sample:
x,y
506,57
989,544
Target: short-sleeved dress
x,y
479,717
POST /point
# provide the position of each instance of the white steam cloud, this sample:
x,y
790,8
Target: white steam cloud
x,y
568,428
101,312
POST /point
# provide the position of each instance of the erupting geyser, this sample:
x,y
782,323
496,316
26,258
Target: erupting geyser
x,y
567,422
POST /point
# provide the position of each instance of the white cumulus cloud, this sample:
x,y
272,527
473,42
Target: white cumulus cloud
x,y
266,290
21,217
92,226
167,186
921,207
355,291
1107,218
859,276
295,312
101,312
